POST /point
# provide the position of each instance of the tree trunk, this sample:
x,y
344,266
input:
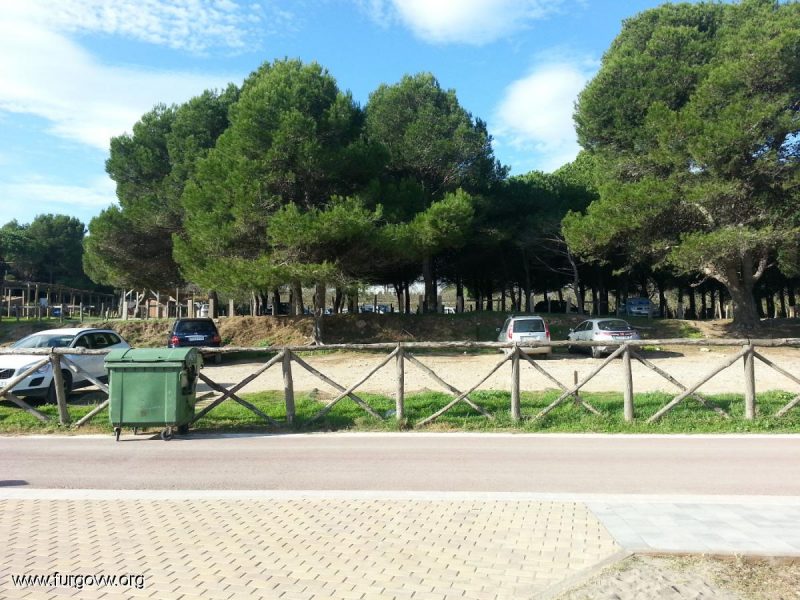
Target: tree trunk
x,y
526,285
297,298
352,301
760,305
703,305
276,301
503,298
459,295
320,292
745,314
429,303
770,297
782,300
662,300
407,297
604,299
581,291
337,300
398,291
489,305
213,304
692,304
576,282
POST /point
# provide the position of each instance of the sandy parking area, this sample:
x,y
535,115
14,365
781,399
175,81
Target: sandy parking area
x,y
463,371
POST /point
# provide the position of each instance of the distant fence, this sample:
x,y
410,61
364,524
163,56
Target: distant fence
x,y
402,354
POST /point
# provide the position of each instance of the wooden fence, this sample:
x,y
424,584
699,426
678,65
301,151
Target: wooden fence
x,y
402,354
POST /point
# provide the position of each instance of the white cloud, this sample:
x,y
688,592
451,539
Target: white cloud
x,y
23,199
535,113
193,25
99,193
44,73
474,22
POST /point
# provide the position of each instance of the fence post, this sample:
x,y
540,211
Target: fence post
x,y
400,402
628,377
58,382
288,385
515,403
749,383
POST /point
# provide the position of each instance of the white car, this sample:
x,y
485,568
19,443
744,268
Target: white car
x,y
40,383
611,330
526,329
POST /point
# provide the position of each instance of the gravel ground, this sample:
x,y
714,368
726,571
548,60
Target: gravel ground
x,y
696,578
463,371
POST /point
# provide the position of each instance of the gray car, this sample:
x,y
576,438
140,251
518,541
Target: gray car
x,y
600,330
529,328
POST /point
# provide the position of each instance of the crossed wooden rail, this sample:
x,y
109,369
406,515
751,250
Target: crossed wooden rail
x,y
628,351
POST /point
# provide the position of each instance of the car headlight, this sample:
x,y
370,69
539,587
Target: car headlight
x,y
40,371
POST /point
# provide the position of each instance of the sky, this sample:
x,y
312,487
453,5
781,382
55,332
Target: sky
x,y
75,73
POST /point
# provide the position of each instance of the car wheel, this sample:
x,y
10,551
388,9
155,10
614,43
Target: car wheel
x,y
595,352
51,391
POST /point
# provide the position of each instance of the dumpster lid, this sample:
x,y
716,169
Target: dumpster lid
x,y
152,355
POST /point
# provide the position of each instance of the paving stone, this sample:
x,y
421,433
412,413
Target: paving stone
x,y
302,548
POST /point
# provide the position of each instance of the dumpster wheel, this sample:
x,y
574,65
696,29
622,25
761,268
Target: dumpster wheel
x,y
117,431
166,434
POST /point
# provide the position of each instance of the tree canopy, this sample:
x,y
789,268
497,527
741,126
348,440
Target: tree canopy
x,y
47,250
694,122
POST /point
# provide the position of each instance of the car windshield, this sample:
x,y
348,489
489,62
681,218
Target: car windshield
x,y
528,325
199,326
42,340
614,325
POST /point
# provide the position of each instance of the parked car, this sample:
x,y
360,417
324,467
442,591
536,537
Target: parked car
x,y
610,330
40,383
526,329
195,332
638,307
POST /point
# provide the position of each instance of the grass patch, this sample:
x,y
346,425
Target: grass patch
x,y
687,417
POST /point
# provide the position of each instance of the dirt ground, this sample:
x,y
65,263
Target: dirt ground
x,y
463,371
695,577
372,328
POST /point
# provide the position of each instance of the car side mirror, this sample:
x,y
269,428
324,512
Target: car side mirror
x,y
572,331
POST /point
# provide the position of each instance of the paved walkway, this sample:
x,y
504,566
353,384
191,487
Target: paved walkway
x,y
310,545
755,528
304,548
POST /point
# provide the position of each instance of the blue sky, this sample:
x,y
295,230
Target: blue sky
x,y
73,73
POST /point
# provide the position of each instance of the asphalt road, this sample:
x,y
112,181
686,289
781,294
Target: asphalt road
x,y
725,465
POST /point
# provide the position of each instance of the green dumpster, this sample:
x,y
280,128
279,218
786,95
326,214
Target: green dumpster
x,y
152,387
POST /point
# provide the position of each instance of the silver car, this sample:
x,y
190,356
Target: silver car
x,y
530,328
40,383
600,330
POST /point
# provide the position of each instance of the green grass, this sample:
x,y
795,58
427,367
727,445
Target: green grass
x,y
687,417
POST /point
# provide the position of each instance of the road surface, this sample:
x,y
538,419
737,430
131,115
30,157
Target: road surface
x,y
550,463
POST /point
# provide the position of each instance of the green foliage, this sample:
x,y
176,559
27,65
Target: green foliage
x,y
444,225
692,122
133,245
293,139
429,137
49,250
